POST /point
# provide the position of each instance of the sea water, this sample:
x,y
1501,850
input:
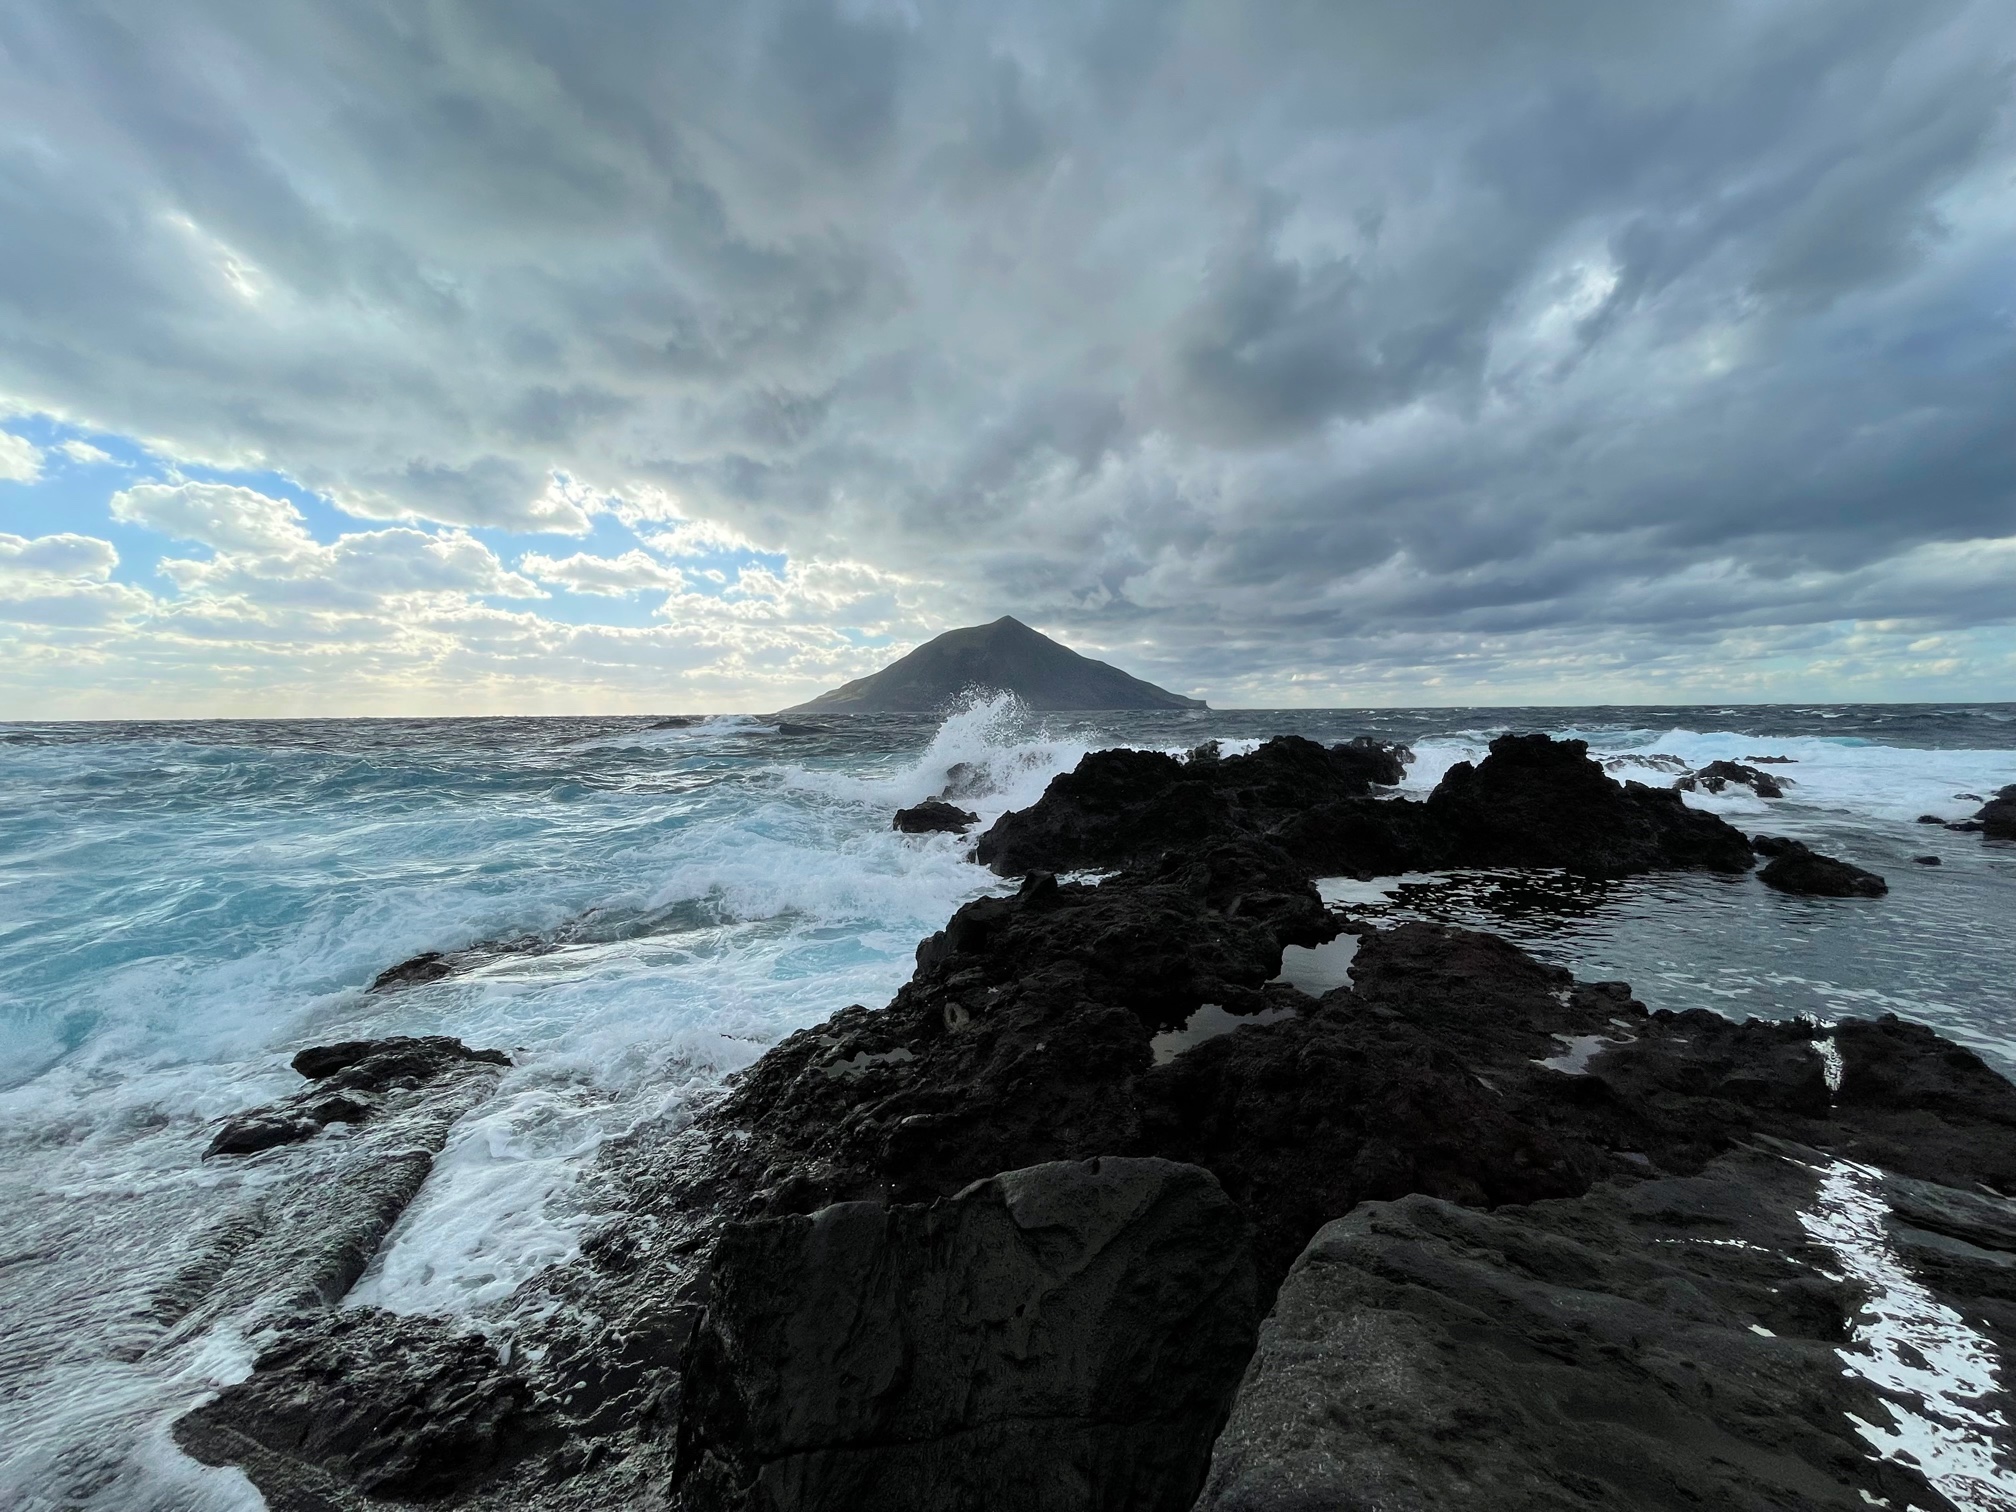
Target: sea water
x,y
182,906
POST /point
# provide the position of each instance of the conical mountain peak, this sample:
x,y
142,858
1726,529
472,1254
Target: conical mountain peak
x,y
1003,656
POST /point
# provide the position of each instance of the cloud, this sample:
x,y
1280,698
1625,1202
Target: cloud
x,y
1403,339
64,580
632,572
86,455
223,515
20,459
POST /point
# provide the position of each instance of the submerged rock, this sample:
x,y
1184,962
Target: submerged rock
x,y
352,1079
1053,1338
1717,775
933,816
1795,867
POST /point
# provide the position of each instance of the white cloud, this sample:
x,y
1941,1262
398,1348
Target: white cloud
x,y
85,454
56,558
64,580
612,577
222,515
20,459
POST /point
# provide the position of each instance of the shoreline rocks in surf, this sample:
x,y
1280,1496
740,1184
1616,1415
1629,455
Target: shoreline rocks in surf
x,y
1457,1131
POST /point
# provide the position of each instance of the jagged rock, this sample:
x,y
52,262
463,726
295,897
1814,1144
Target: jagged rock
x,y
375,1064
1061,1337
934,817
1795,867
1665,1345
415,971
1535,801
351,1079
368,1401
1929,819
1718,775
1121,806
1997,818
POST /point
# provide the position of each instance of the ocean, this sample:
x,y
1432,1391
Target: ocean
x,y
647,908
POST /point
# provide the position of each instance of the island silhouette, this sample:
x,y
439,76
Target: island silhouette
x,y
1005,656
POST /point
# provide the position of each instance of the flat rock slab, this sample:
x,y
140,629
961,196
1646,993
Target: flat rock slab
x,y
1669,1344
1062,1337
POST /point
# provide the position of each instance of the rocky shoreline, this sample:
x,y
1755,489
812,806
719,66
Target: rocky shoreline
x,y
1100,1212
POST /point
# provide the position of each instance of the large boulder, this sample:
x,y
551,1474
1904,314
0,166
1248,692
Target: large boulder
x,y
1997,818
1795,867
1672,1344
934,817
1052,1339
1123,806
1536,801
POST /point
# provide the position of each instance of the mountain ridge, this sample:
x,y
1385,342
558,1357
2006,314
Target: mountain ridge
x,y
1005,655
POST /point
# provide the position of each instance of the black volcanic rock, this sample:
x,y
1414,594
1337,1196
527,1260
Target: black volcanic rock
x,y
1997,818
1718,775
1006,656
395,1407
1043,1333
1121,805
1665,1345
933,816
1795,867
352,1079
1535,801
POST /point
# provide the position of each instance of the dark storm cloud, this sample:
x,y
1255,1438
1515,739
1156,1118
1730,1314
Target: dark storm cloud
x,y
1251,332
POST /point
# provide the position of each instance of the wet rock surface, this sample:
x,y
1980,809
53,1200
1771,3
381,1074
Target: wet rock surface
x,y
1669,1343
1719,775
1058,1337
1795,867
1997,818
806,1298
1534,801
934,816
352,1081
364,1400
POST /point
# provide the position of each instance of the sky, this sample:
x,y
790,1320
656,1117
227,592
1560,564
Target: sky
x,y
493,356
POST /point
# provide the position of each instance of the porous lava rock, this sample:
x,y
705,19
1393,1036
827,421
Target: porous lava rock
x,y
1051,1339
1536,801
1795,867
1533,801
351,1081
934,817
405,1408
1122,806
1718,775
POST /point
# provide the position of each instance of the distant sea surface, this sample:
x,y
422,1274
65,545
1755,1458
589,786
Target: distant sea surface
x,y
184,905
